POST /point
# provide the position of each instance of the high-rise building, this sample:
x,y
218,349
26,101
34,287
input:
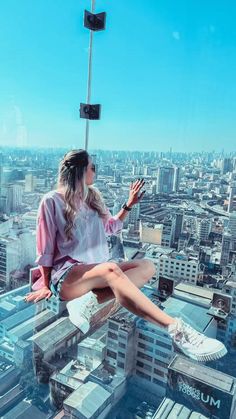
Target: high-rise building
x,y
165,179
15,253
154,188
134,214
168,231
11,198
232,224
225,249
176,179
226,165
178,265
1,171
199,387
204,229
30,182
178,225
232,197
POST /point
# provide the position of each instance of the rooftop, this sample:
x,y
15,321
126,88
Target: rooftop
x,y
88,398
169,409
197,316
204,374
54,334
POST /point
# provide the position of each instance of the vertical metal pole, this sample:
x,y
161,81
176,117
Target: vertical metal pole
x,y
89,77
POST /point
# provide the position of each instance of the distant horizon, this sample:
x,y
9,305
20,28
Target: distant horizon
x,y
222,152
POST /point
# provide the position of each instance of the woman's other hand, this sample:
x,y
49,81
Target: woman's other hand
x,y
44,292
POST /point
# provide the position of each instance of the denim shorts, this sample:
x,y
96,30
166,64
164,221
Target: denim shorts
x,y
56,288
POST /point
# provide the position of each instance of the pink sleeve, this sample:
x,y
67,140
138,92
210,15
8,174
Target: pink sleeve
x,y
45,233
112,224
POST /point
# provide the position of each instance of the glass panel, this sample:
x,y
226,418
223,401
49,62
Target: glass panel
x,y
164,75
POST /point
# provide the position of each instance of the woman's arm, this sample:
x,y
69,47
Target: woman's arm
x,y
45,246
46,275
122,214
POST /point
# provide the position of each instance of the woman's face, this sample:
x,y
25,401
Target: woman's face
x,y
90,173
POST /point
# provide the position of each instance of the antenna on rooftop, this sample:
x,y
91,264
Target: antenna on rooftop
x,y
93,22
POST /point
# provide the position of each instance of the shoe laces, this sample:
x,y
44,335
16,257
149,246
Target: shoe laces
x,y
185,333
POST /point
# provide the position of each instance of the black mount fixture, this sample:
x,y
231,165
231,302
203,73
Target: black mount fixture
x,y
94,22
90,111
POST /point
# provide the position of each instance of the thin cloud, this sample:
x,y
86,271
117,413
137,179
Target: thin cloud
x,y
176,35
212,28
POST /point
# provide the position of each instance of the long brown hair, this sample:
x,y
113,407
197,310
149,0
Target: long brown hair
x,y
71,176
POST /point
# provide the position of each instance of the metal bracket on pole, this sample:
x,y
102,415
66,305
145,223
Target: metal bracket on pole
x,y
90,111
94,22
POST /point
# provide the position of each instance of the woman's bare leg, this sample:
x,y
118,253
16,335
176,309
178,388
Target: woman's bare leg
x,y
129,267
85,278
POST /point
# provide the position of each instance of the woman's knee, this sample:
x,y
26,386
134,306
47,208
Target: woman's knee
x,y
110,270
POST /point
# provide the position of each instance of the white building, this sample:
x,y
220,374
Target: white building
x,y
178,265
11,198
15,253
30,182
29,219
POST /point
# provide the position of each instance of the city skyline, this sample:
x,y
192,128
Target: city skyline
x,y
185,224
171,81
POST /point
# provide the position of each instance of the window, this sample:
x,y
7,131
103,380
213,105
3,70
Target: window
x,y
144,356
113,326
143,375
144,366
162,354
160,363
111,354
112,335
121,345
163,345
158,372
145,337
120,364
121,355
160,383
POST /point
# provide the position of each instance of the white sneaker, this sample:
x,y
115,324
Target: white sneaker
x,y
194,344
81,309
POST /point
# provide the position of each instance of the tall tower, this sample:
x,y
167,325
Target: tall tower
x,y
232,197
226,165
179,218
165,179
204,229
225,250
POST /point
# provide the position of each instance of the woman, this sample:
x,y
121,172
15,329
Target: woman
x,y
73,257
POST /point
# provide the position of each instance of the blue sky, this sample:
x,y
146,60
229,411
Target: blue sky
x,y
163,71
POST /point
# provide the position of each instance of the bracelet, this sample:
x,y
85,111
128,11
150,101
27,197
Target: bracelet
x,y
126,208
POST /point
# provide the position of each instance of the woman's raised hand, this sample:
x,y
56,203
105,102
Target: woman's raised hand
x,y
35,296
135,188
